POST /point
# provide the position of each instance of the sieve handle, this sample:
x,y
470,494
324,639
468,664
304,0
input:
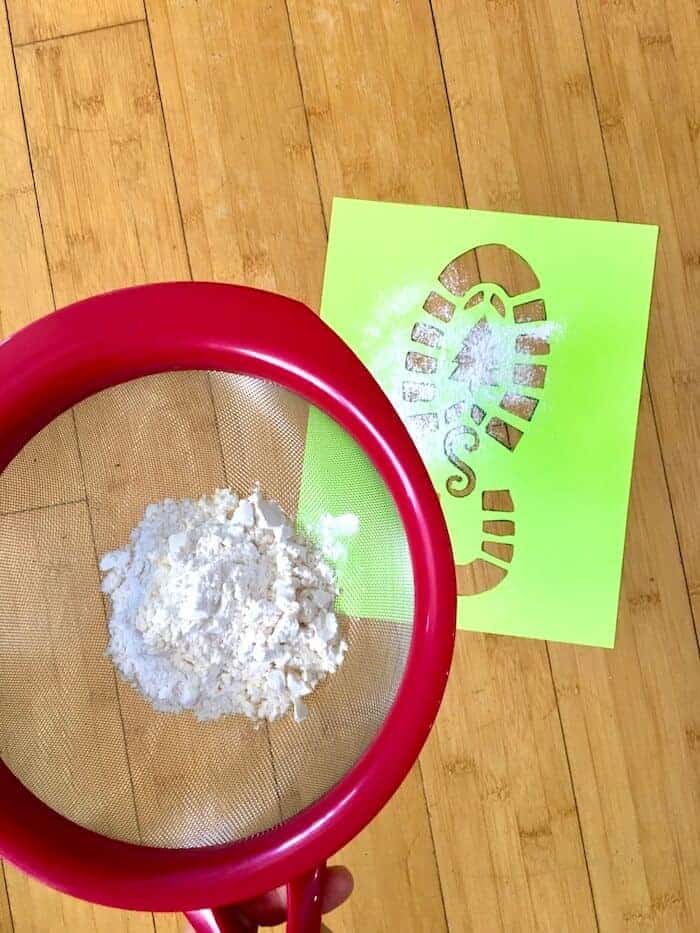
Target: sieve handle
x,y
220,920
303,910
304,902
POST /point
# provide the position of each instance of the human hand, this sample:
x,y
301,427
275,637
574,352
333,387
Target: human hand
x,y
271,908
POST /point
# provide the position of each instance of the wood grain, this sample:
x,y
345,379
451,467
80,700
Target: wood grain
x,y
61,731
631,722
240,147
6,924
502,808
77,727
25,294
101,162
560,168
376,105
25,291
644,61
171,923
394,868
36,908
45,472
32,20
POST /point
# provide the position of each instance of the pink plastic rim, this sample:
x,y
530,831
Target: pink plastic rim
x,y
113,338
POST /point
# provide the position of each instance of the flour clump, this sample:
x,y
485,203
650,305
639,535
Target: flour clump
x,y
220,606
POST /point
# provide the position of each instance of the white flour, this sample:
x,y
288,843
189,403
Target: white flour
x,y
219,606
470,360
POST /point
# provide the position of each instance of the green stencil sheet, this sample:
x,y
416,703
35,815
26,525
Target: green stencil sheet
x,y
569,474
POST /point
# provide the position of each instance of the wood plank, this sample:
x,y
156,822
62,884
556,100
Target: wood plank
x,y
502,807
101,162
393,861
375,101
37,908
25,294
240,147
33,20
61,729
25,291
6,922
638,773
171,923
616,733
107,195
513,860
644,60
252,213
534,101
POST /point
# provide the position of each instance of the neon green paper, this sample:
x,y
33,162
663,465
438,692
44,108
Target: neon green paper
x,y
373,565
569,474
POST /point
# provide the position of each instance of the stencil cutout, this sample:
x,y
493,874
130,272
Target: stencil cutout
x,y
484,572
488,351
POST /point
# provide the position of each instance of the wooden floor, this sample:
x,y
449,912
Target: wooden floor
x,y
559,790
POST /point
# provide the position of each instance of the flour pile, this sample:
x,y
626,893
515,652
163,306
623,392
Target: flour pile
x,y
219,606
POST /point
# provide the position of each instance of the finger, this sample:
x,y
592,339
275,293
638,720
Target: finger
x,y
268,909
271,908
337,888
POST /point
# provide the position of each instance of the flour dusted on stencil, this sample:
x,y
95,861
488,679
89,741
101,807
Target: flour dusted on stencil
x,y
219,606
489,354
432,369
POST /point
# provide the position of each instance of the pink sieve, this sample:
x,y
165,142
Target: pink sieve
x,y
175,390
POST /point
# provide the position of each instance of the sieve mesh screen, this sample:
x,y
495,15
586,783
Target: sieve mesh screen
x,y
70,729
